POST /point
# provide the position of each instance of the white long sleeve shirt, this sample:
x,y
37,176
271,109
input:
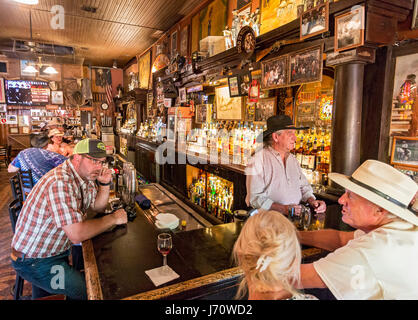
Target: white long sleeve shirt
x,y
269,181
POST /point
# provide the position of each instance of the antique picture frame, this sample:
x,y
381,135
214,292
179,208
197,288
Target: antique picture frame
x,y
306,65
404,152
227,108
182,95
234,85
14,130
314,21
57,97
349,29
2,91
144,70
202,113
265,108
274,73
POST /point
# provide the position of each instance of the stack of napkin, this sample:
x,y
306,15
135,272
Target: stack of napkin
x,y
166,221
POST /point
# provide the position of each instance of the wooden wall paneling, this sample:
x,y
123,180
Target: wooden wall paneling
x,y
71,71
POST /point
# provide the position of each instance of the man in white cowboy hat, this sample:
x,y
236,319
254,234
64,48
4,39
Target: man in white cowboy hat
x,y
274,178
380,259
56,144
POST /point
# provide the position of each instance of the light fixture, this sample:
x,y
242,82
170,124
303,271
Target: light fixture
x,y
50,70
30,69
31,2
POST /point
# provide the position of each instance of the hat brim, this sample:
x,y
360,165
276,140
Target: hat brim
x,y
97,154
345,182
266,133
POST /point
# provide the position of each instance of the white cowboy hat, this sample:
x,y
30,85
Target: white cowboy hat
x,y
55,132
383,185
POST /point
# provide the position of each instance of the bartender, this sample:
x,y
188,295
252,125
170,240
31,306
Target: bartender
x,y
274,178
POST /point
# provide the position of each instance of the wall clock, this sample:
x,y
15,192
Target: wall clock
x,y
104,106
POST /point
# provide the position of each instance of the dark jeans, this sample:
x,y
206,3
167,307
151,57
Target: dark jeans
x,y
52,275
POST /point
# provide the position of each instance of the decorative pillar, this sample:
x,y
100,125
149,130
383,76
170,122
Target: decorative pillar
x,y
348,103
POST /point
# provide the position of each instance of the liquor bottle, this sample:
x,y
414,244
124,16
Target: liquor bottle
x,y
311,156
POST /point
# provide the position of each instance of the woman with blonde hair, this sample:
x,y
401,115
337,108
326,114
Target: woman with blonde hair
x,y
269,254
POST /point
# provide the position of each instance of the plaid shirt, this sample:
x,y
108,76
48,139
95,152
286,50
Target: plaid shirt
x,y
54,202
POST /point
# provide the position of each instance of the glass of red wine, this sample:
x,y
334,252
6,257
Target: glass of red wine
x,y
164,245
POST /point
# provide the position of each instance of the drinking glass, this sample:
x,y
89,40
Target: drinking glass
x,y
164,245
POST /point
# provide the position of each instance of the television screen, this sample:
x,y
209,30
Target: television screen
x,y
27,93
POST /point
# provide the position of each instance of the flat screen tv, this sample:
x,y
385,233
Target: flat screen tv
x,y
27,93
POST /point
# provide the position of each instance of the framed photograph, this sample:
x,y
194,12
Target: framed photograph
x,y
57,97
25,130
202,113
171,127
405,152
184,41
2,91
227,108
144,68
250,111
314,21
274,73
265,108
305,66
14,130
234,86
182,95
11,119
349,29
3,107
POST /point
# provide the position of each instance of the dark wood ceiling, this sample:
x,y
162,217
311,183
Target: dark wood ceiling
x,y
118,30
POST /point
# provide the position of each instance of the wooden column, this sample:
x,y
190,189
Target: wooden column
x,y
348,104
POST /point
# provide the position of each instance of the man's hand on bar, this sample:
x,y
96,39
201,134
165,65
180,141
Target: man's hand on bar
x,y
120,216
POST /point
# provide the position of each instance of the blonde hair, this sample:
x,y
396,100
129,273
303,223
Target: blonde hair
x,y
268,234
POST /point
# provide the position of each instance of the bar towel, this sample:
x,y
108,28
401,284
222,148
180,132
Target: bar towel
x,y
143,201
158,277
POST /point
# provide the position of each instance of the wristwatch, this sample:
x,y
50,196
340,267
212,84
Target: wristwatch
x,y
104,184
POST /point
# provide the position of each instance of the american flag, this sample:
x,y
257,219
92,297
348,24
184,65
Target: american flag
x,y
108,88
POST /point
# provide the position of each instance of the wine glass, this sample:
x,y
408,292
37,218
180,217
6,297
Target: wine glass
x,y
164,245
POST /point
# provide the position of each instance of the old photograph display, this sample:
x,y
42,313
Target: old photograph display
x,y
305,66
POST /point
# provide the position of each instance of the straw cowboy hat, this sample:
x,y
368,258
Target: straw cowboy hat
x,y
55,132
279,122
383,185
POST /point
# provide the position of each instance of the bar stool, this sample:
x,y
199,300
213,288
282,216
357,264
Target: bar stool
x,y
14,209
16,185
26,182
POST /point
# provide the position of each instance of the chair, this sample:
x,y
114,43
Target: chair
x,y
4,157
26,182
14,209
16,185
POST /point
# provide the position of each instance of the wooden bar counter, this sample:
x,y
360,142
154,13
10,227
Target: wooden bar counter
x,y
115,262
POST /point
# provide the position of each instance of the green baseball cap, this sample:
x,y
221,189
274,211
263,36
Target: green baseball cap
x,y
93,147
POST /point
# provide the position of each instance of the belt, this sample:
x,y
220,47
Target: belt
x,y
16,254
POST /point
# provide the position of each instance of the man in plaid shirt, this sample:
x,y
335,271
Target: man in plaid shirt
x,y
54,216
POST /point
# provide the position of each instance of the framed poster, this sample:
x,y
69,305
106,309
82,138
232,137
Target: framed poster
x,y
144,68
14,130
305,66
2,91
11,119
227,108
405,152
349,29
57,97
202,113
182,95
314,21
173,48
265,108
184,41
276,13
3,108
234,86
274,73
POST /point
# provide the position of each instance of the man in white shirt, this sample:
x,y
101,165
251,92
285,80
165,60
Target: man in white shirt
x,y
380,259
274,178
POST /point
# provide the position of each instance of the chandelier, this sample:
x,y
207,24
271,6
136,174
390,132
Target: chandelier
x,y
30,68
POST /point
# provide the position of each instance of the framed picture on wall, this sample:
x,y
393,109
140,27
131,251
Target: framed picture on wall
x,y
3,108
184,41
14,130
182,95
314,21
405,152
234,86
305,66
171,127
2,91
227,108
173,49
274,73
57,97
202,113
349,29
265,108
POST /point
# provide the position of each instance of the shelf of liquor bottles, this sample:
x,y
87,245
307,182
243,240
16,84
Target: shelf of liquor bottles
x,y
210,192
